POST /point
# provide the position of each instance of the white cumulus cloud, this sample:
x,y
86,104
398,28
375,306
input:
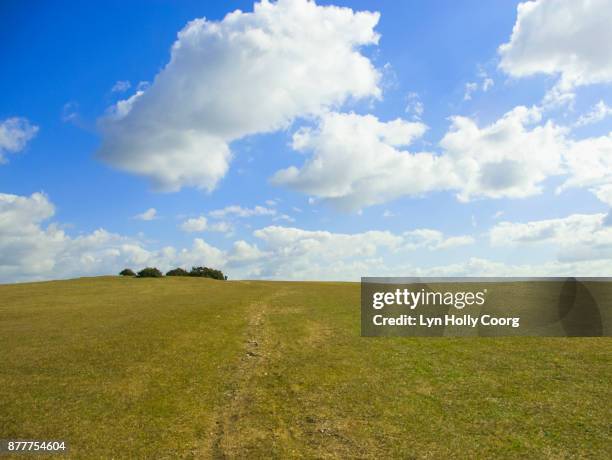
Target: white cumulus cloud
x,y
475,266
15,133
32,249
599,111
149,214
568,38
470,87
248,73
604,193
575,237
508,158
357,161
588,163
239,211
200,224
434,239
295,253
414,106
195,224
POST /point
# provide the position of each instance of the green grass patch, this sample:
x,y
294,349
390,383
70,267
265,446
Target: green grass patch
x,y
198,368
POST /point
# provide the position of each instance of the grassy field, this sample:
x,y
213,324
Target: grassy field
x,y
196,368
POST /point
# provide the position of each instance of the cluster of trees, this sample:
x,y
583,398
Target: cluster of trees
x,y
153,272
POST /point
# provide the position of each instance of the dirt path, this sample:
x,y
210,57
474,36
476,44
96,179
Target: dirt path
x,y
258,352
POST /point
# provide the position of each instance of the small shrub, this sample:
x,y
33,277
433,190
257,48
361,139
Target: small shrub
x,y
127,272
178,272
205,272
150,272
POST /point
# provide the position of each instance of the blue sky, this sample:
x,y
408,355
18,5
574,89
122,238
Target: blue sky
x,y
72,164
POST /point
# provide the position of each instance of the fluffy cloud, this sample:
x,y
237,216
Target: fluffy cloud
x,y
508,158
29,250
195,224
486,83
200,224
25,248
434,240
297,242
305,254
357,162
561,37
243,252
149,214
604,193
15,133
239,211
414,106
285,217
287,59
293,253
589,164
314,255
600,111
470,87
32,250
576,237
485,267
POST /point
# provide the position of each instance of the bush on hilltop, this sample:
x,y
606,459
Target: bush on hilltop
x,y
177,272
127,272
150,272
205,272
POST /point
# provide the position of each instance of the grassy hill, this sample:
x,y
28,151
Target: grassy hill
x,y
196,368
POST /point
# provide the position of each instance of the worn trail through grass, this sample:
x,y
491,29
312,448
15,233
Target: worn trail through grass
x,y
257,352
